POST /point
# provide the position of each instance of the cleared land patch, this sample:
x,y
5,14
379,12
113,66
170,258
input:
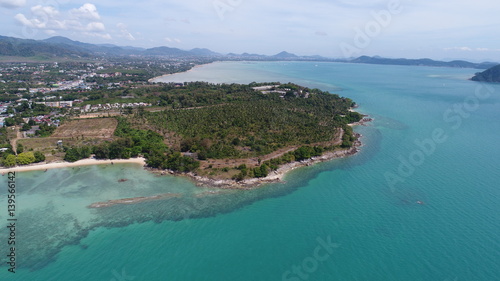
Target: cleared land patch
x,y
88,128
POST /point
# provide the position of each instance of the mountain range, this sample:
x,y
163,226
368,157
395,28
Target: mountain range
x,y
59,46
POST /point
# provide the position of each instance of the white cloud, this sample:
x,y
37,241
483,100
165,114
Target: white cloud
x,y
106,36
469,49
37,23
87,11
11,4
436,29
95,27
85,19
124,32
172,40
50,32
44,11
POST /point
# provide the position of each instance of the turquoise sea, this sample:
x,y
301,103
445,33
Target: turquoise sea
x,y
434,140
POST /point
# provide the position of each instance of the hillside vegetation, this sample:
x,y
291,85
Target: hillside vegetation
x,y
489,75
235,121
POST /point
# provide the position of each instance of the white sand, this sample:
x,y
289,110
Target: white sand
x,y
84,162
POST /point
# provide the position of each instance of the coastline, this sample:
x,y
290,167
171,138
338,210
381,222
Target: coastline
x,y
362,122
251,183
278,175
152,80
273,177
247,184
79,163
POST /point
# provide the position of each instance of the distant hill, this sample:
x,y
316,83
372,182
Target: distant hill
x,y
107,49
10,46
422,62
59,46
285,55
203,52
489,75
165,51
62,47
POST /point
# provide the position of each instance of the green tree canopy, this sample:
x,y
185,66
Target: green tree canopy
x,y
25,158
39,157
10,161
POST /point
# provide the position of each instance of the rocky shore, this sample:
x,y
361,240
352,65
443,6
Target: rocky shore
x,y
362,122
273,177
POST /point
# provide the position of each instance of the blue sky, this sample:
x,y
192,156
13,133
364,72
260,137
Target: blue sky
x,y
440,29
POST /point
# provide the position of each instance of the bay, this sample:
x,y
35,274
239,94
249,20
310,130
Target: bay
x,y
377,230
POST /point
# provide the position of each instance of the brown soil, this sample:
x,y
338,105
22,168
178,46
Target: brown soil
x,y
88,128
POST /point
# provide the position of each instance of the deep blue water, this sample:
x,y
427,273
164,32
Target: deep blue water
x,y
434,140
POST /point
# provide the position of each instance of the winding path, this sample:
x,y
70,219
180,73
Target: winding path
x,y
19,136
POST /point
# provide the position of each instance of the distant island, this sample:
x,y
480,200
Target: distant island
x,y
422,62
489,75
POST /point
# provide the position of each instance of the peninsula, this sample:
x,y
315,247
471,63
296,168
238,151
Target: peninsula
x,y
226,135
490,75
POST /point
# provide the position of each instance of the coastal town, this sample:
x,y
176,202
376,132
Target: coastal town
x,y
57,90
36,98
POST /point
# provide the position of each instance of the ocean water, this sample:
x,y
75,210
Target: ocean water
x,y
434,140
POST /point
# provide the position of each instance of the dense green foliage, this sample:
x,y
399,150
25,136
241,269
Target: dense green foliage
x,y
19,148
489,75
173,161
233,121
5,143
77,153
25,158
39,157
302,153
151,145
29,110
132,142
353,117
306,152
348,138
10,161
45,130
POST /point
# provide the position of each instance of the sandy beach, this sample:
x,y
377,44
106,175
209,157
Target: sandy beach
x,y
84,162
275,176
155,79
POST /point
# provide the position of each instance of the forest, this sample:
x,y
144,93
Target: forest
x,y
236,121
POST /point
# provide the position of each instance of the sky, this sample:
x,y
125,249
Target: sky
x,y
438,29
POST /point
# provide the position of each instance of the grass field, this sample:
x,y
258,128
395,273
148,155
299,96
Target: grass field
x,y
87,128
73,133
